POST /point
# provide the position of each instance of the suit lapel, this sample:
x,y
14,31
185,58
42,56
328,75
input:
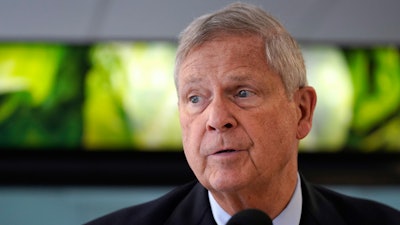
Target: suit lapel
x,y
316,209
193,209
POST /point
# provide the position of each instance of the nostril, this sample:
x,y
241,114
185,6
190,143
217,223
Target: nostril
x,y
228,125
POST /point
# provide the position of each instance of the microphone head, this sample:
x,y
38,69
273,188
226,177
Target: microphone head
x,y
250,217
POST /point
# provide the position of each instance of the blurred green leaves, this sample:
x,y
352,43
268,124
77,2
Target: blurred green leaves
x,y
376,80
130,99
41,95
121,96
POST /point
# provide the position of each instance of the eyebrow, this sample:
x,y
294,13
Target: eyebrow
x,y
193,79
240,78
189,82
236,77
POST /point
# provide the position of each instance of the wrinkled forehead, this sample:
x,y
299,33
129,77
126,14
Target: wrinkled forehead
x,y
224,49
184,51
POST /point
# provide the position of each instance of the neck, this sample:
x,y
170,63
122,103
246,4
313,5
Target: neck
x,y
270,196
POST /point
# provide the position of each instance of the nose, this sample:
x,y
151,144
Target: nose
x,y
220,117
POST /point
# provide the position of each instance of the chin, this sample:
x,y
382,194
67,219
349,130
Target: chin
x,y
226,184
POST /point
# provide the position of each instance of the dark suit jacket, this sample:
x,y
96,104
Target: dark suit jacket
x,y
189,205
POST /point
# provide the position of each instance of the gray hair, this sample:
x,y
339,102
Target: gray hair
x,y
283,53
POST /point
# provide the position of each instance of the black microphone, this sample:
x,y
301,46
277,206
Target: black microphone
x,y
250,217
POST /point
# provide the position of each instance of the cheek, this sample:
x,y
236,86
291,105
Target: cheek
x,y
274,147
192,126
190,137
186,127
274,133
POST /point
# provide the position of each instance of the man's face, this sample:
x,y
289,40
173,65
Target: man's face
x,y
239,127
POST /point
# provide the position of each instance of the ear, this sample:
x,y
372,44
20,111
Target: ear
x,y
306,99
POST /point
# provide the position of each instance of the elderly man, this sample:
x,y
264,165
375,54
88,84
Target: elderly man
x,y
244,105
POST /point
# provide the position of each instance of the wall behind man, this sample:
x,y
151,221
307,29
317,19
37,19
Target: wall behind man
x,y
344,21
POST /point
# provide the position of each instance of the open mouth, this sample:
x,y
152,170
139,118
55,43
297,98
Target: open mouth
x,y
225,151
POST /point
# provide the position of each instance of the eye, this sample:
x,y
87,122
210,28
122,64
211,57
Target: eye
x,y
244,94
194,99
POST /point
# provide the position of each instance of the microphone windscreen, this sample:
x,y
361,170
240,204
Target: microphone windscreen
x,y
250,217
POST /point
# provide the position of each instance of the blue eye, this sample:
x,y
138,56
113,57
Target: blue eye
x,y
194,99
243,94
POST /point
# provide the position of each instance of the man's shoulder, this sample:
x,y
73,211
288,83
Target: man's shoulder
x,y
156,211
357,210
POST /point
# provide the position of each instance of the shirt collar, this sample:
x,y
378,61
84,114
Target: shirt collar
x,y
290,215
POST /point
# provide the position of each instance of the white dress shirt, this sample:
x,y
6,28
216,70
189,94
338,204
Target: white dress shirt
x,y
289,216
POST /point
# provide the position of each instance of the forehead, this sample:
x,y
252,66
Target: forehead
x,y
224,54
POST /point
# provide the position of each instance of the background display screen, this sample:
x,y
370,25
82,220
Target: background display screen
x,y
120,96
